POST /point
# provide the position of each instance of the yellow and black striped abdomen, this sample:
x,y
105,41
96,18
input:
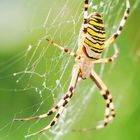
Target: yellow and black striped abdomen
x,y
95,37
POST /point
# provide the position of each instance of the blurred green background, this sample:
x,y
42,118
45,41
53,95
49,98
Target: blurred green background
x,y
21,25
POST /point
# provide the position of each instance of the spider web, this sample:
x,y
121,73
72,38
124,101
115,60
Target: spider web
x,y
47,71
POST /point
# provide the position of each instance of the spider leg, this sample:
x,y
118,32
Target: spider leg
x,y
109,111
109,104
85,16
83,30
69,94
63,101
66,50
106,60
61,104
50,112
53,122
122,23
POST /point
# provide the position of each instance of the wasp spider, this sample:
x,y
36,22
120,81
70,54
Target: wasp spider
x,y
92,42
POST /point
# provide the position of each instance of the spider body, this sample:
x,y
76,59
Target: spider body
x,y
94,40
91,44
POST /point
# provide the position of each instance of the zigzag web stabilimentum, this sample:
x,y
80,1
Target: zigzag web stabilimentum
x,y
47,70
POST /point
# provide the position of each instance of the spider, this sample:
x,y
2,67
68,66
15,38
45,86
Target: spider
x,y
91,44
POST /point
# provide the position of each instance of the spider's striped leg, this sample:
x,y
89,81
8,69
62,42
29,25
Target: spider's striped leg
x,y
109,111
63,101
122,23
50,112
69,94
85,16
72,86
106,60
66,50
53,122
